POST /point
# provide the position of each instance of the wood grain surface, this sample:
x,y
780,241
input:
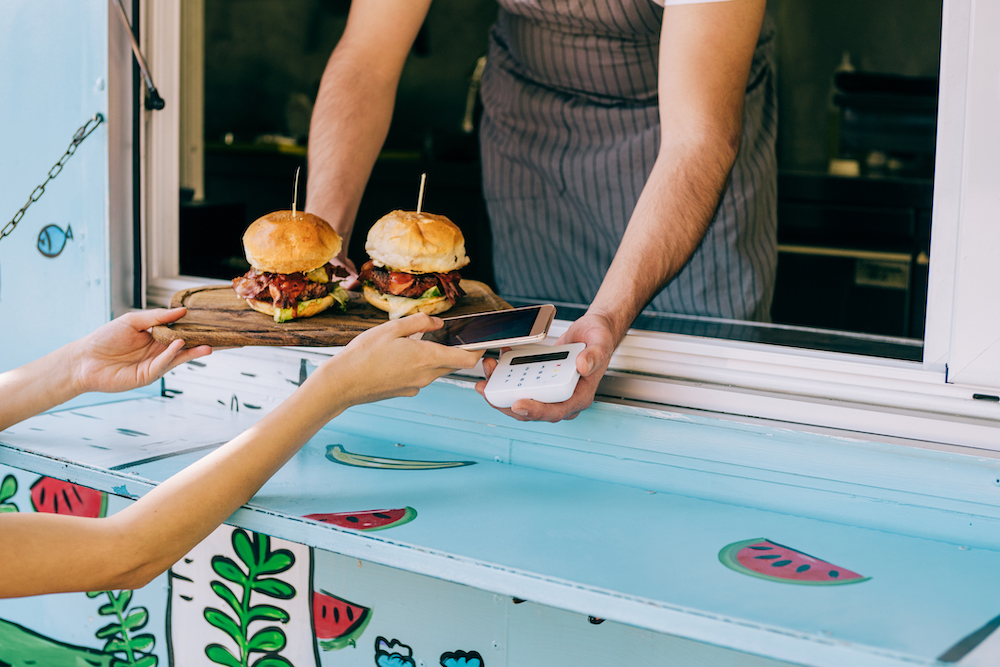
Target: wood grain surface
x,y
217,317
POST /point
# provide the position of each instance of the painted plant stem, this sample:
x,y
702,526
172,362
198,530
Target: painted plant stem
x,y
259,560
119,632
124,631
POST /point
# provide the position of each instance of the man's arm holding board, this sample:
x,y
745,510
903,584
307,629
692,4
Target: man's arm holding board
x,y
354,108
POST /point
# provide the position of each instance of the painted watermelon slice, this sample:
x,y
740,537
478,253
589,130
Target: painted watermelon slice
x,y
338,623
769,560
54,496
370,520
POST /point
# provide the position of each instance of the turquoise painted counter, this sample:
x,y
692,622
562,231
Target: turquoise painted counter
x,y
619,515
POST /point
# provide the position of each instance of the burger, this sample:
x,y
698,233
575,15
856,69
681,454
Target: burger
x,y
414,264
291,274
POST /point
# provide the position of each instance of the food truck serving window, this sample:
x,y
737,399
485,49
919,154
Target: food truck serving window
x,y
957,346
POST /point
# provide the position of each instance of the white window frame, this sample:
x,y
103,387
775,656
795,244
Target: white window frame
x,y
928,401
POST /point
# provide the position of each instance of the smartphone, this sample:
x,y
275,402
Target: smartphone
x,y
497,328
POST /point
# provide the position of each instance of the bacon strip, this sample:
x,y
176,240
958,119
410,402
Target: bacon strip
x,y
285,290
411,285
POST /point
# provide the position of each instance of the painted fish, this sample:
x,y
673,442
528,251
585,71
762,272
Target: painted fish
x,y
52,239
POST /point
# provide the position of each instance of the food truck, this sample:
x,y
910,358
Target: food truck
x,y
738,494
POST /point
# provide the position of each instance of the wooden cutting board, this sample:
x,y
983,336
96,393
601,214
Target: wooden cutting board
x,y
217,317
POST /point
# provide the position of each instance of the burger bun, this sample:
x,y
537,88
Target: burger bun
x,y
414,242
286,242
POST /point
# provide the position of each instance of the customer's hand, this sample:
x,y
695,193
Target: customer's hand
x,y
595,332
384,362
123,355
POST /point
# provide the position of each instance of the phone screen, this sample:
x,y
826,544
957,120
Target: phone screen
x,y
485,327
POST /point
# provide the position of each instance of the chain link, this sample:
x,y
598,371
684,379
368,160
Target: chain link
x,y
37,193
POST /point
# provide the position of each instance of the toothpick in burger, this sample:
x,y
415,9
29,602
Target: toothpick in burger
x,y
414,264
291,274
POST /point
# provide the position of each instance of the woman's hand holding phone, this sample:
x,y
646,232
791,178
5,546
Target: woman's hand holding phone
x,y
494,329
385,362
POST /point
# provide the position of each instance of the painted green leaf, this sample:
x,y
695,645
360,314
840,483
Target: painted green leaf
x,y
223,592
278,561
224,623
115,662
243,548
109,630
8,487
220,655
116,645
94,594
124,598
227,569
272,661
261,545
274,588
142,642
8,508
267,612
268,639
136,619
107,610
147,661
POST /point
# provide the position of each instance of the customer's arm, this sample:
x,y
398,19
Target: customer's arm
x,y
354,108
118,356
48,553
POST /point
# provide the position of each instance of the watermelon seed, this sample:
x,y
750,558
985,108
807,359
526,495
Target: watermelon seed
x,y
761,548
352,519
336,615
66,498
834,574
802,568
780,563
77,494
41,497
767,557
350,614
380,515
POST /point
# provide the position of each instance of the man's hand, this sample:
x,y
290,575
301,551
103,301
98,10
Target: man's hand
x,y
350,282
123,355
593,330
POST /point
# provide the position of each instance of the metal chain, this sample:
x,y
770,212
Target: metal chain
x,y
37,193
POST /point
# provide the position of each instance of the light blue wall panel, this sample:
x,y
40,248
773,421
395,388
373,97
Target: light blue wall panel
x,y
53,78
644,556
407,620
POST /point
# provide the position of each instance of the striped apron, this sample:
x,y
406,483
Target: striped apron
x,y
569,134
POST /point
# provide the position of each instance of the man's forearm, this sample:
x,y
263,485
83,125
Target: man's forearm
x,y
706,50
669,221
349,126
